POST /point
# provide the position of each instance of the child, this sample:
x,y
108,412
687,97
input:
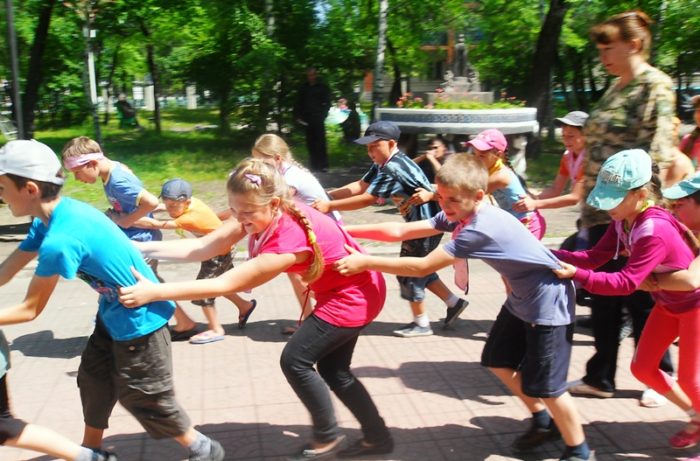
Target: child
x,y
284,236
395,176
16,433
191,214
505,186
570,169
130,201
628,190
127,358
529,346
303,186
690,144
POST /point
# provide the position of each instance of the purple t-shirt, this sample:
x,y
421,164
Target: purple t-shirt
x,y
501,241
654,243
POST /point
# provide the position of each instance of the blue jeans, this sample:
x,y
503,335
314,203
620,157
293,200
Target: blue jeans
x,y
330,348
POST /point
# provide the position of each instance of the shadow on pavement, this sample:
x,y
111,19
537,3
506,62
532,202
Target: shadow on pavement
x,y
43,344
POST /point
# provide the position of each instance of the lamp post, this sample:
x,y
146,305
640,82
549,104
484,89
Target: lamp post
x,y
16,99
378,84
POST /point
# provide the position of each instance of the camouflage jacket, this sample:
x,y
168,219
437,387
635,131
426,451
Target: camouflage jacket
x,y
640,115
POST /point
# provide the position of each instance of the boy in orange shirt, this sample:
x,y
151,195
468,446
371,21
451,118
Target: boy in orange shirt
x,y
191,214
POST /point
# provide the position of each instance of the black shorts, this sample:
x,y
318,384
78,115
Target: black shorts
x,y
212,268
540,353
10,427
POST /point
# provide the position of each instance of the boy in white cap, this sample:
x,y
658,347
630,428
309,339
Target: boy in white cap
x,y
127,357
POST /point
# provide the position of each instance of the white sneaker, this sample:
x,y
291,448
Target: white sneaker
x,y
652,399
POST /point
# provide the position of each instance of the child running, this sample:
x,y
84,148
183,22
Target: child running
x,y
656,243
284,236
127,357
130,202
505,186
396,177
529,346
190,214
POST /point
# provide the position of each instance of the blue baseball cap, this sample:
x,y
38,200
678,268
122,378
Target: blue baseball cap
x,y
683,189
381,130
176,189
624,171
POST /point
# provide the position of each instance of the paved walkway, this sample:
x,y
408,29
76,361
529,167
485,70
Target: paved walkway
x,y
440,404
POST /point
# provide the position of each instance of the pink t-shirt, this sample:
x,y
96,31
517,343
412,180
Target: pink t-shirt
x,y
655,244
695,151
341,301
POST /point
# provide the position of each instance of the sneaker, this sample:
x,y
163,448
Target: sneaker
x,y
412,329
216,453
101,455
626,328
359,449
591,457
684,439
536,436
652,399
453,312
581,388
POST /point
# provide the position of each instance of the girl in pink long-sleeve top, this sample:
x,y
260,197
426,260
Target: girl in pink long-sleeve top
x,y
655,242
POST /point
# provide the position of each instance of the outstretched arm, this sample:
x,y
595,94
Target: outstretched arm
x,y
245,276
408,266
14,263
38,294
213,244
392,231
354,202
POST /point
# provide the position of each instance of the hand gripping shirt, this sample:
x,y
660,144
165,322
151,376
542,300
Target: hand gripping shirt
x,y
82,242
502,242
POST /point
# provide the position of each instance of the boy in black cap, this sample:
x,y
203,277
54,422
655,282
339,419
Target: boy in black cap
x,y
395,176
190,214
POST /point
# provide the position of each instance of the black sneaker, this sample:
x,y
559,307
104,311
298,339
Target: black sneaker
x,y
536,436
453,312
358,449
101,455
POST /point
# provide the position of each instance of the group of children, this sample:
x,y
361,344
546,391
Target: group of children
x,y
293,227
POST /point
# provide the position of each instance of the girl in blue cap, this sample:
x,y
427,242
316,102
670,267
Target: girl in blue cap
x,y
656,243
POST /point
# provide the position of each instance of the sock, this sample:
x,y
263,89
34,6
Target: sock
x,y
201,446
84,455
541,419
452,300
422,320
580,451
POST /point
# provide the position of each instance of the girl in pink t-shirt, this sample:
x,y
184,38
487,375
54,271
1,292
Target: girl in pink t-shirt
x,y
285,236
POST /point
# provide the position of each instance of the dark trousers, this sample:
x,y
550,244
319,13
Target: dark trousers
x,y
606,315
316,143
330,348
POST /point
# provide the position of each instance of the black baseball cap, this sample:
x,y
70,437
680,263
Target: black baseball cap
x,y
383,130
176,189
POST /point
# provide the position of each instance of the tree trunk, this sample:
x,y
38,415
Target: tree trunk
x,y
395,92
36,65
110,79
540,86
151,60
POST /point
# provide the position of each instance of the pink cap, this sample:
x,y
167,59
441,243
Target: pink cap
x,y
490,139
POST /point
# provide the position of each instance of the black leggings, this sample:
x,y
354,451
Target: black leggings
x,y
10,427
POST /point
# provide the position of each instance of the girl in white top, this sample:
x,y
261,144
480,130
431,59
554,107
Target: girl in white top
x,y
304,186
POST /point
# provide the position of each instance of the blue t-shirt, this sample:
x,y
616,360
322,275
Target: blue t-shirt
x,y
502,242
508,195
82,242
123,190
398,179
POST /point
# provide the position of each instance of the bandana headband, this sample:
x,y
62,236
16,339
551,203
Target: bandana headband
x,y
71,163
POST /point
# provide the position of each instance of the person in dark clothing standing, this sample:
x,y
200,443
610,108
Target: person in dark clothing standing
x,y
311,109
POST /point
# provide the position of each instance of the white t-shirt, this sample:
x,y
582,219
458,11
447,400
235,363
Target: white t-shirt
x,y
306,185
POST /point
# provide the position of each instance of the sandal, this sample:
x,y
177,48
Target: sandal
x,y
684,439
243,319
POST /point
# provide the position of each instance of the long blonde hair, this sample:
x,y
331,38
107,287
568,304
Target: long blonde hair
x,y
255,178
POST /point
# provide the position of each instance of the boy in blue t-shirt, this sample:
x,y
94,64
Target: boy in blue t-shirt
x,y
127,357
529,345
130,202
396,177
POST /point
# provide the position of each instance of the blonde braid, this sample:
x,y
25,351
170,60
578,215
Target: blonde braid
x,y
317,265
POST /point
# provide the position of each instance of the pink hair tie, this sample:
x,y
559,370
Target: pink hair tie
x,y
71,163
253,178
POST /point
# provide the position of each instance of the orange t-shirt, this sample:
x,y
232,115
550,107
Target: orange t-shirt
x,y
198,218
569,161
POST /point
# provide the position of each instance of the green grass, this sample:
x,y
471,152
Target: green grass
x,y
204,157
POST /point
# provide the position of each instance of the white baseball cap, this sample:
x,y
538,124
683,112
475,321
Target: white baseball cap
x,y
30,160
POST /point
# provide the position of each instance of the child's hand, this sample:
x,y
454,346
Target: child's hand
x,y
139,294
526,203
566,272
651,283
420,197
352,263
324,206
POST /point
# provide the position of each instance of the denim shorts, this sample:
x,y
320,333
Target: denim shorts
x,y
540,353
413,288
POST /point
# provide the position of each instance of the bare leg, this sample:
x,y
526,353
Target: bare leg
x,y
92,437
439,289
187,438
46,441
567,419
243,305
213,319
511,379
